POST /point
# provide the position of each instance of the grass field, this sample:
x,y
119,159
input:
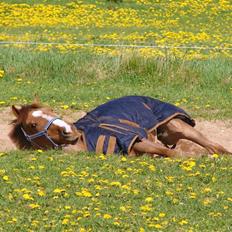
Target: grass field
x,y
82,81
141,22
55,191
52,191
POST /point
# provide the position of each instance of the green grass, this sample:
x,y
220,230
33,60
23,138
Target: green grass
x,y
82,80
137,193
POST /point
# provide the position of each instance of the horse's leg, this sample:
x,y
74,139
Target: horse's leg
x,y
177,129
150,148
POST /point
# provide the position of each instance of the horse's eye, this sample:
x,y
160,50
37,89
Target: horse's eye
x,y
33,125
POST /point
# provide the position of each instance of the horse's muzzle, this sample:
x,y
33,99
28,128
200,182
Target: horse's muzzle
x,y
70,137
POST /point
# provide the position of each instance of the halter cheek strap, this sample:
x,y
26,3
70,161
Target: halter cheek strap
x,y
44,132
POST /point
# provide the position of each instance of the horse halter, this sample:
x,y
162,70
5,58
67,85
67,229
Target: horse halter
x,y
44,132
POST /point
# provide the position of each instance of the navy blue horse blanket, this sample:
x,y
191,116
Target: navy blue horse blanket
x,y
115,126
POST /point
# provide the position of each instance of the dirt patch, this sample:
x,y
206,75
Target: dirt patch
x,y
218,131
5,119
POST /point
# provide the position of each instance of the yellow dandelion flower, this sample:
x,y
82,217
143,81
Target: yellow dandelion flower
x,y
169,193
192,195
215,214
2,171
214,179
123,208
206,190
6,178
183,222
2,153
149,199
19,79
116,223
12,221
155,219
68,173
135,191
86,214
207,201
34,206
65,221
102,157
27,196
41,192
58,190
202,166
107,216
1,73
65,107
215,156
170,179
123,159
145,208
84,193
158,226
188,165
162,214
35,223
152,168
116,183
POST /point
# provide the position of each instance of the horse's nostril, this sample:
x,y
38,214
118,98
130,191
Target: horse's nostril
x,y
65,133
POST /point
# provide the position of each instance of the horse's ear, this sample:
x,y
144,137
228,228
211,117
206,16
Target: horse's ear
x,y
15,111
36,100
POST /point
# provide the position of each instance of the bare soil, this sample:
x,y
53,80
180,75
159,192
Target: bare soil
x,y
218,131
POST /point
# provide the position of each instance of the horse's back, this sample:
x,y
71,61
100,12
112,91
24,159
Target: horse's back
x,y
145,111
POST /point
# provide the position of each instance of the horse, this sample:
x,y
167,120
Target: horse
x,y
131,125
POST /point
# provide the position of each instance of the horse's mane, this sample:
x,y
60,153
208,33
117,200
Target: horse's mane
x,y
16,135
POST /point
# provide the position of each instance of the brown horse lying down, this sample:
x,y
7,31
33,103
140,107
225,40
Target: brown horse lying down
x,y
132,125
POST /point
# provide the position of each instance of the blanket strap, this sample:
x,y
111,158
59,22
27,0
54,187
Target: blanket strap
x,y
111,145
100,144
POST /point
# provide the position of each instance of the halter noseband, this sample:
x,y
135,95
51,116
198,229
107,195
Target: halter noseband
x,y
44,132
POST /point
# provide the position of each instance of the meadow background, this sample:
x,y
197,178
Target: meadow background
x,y
54,191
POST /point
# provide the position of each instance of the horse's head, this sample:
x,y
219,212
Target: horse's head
x,y
39,127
